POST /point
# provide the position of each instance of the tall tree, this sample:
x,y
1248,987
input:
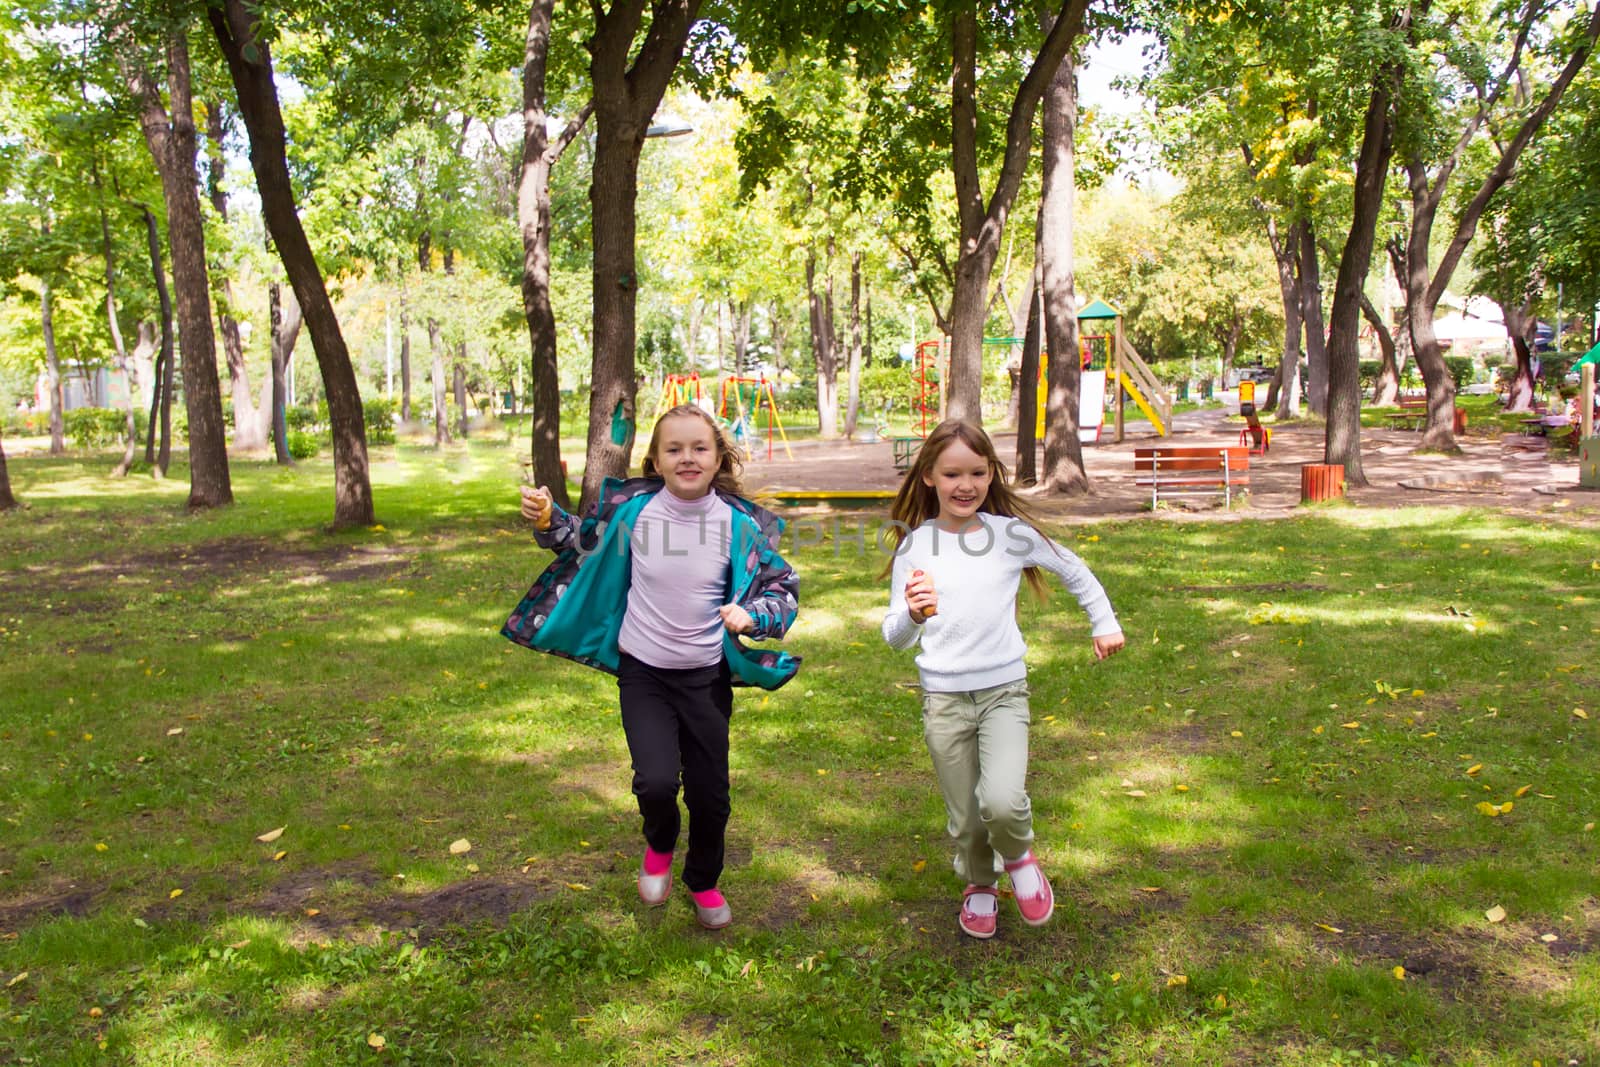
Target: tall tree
x,y
173,145
539,155
1063,452
249,423
250,63
982,222
626,94
1428,184
1342,444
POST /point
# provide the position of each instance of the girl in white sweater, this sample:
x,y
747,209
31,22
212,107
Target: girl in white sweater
x,y
963,544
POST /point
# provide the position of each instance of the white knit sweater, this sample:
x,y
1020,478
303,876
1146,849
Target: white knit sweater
x,y
973,641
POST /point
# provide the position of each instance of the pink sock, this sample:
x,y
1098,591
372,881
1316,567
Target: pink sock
x,y
709,898
656,862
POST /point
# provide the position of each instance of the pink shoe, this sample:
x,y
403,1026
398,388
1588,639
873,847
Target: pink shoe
x,y
975,925
654,888
1036,910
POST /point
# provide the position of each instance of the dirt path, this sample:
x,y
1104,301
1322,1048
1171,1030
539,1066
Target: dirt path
x,y
1509,473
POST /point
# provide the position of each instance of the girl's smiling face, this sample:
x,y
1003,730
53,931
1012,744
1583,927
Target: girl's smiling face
x,y
686,455
960,479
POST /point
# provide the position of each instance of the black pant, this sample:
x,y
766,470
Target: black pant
x,y
677,721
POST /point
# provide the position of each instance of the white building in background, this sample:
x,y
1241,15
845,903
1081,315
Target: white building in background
x,y
98,387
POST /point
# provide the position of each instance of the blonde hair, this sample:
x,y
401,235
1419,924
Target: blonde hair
x,y
730,468
917,501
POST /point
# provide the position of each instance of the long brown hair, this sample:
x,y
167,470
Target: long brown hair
x,y
730,468
917,501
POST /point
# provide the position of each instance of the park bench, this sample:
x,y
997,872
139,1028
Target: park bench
x,y
1413,413
1212,470
905,450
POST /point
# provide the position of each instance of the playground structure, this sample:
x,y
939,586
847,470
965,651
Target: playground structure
x,y
751,396
1107,358
1256,435
677,389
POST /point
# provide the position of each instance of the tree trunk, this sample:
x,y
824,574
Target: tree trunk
x,y
1286,402
825,358
7,501
852,406
132,365
533,218
52,371
250,63
1063,451
173,142
1520,320
1311,317
405,351
161,376
1386,389
118,348
982,224
286,319
459,387
1027,472
1342,444
249,423
625,96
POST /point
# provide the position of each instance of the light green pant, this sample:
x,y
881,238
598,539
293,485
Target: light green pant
x,y
979,744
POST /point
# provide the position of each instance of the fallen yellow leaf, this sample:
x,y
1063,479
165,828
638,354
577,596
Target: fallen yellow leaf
x,y
919,866
460,846
1475,768
1486,808
1330,929
1399,973
1221,1001
175,894
1354,724
1316,729
16,978
1177,980
376,1041
95,1013
1495,914
1135,793
1180,787
1579,713
278,855
1236,733
101,846
472,868
271,835
1523,791
1548,938
312,913
577,887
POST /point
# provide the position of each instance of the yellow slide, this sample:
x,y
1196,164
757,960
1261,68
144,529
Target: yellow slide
x,y
1144,405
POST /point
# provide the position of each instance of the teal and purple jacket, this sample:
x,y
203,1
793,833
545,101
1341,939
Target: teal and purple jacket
x,y
575,608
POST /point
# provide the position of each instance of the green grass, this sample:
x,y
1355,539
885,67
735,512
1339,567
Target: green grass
x,y
1311,707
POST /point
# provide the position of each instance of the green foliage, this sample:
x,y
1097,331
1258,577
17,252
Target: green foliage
x,y
379,413
96,427
303,445
1462,369
1368,371
307,418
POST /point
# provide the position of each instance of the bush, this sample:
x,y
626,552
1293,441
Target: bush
x,y
93,427
303,445
1462,369
1368,370
379,415
306,418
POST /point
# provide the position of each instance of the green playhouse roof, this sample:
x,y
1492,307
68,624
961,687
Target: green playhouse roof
x,y
1592,356
1099,310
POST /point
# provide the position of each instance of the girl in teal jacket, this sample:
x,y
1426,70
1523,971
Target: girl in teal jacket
x,y
655,585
